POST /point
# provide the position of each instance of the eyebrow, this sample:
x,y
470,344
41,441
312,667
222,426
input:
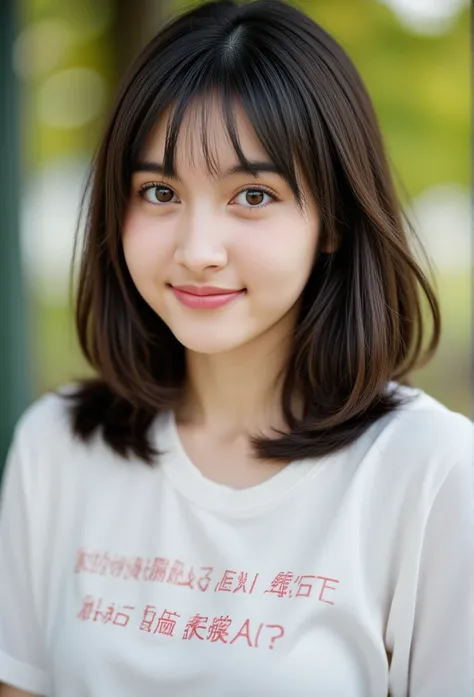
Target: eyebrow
x,y
253,168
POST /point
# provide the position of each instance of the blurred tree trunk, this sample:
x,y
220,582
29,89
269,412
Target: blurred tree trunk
x,y
14,363
135,24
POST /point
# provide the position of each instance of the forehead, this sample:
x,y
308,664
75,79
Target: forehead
x,y
204,141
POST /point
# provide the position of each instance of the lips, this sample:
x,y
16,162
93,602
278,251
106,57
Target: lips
x,y
205,297
206,290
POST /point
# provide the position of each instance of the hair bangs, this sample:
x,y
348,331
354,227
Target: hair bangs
x,y
198,132
234,79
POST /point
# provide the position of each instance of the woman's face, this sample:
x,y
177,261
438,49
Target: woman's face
x,y
232,231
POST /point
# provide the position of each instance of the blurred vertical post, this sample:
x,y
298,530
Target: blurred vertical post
x,y
135,24
14,381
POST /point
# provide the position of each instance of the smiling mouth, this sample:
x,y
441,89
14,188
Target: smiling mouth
x,y
205,298
206,290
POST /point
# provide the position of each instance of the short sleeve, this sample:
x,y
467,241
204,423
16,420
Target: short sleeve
x,y
440,660
22,651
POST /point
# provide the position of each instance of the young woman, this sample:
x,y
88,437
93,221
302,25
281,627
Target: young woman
x,y
248,499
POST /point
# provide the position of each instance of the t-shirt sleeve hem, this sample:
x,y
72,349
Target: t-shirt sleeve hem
x,y
23,676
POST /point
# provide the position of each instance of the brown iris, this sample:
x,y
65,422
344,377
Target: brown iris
x,y
163,194
254,197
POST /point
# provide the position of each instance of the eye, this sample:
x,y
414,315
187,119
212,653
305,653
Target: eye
x,y
157,194
254,197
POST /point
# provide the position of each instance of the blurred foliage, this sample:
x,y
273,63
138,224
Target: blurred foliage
x,y
419,86
89,25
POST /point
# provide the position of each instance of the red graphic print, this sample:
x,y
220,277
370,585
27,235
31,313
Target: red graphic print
x,y
195,623
218,631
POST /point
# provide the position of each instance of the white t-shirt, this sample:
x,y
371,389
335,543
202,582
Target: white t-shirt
x,y
343,576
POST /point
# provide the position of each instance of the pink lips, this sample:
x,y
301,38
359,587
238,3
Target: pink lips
x,y
205,297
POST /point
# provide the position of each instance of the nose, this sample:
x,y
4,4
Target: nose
x,y
201,244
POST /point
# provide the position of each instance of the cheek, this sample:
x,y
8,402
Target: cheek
x,y
282,257
145,248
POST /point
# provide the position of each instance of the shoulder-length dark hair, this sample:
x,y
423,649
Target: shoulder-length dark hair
x,y
361,320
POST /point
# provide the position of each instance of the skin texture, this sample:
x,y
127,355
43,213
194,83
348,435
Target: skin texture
x,y
208,231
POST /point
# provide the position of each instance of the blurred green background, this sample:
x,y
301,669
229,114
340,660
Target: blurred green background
x,y
414,58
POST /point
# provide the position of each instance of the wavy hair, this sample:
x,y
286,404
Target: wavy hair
x,y
362,320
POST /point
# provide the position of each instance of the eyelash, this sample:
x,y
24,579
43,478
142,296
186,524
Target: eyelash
x,y
155,185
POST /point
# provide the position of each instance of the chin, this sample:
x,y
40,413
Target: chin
x,y
210,343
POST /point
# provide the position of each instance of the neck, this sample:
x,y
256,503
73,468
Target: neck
x,y
238,392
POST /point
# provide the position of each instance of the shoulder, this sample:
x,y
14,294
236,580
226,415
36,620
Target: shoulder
x,y
47,443
424,425
44,448
38,468
46,420
419,444
47,463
